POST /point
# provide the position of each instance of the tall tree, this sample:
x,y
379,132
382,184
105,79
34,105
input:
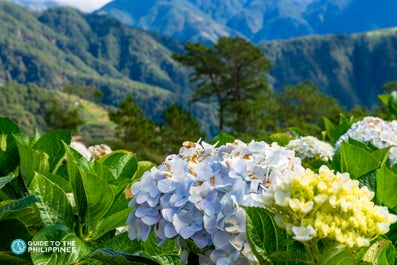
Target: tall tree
x,y
180,125
231,71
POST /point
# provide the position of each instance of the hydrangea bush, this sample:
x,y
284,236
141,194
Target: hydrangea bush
x,y
375,131
330,205
198,195
311,147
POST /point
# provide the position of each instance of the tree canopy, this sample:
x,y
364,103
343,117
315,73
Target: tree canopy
x,y
231,72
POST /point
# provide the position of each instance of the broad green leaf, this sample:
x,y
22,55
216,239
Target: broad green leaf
x,y
386,187
336,255
52,203
76,164
15,205
375,250
123,164
356,161
110,223
112,257
6,179
51,144
31,160
67,238
99,200
263,234
8,150
92,194
281,138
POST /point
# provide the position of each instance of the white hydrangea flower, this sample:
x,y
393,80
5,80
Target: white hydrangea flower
x,y
198,194
97,151
376,131
311,147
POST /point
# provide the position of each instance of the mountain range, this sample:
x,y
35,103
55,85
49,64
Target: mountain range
x,y
256,20
61,46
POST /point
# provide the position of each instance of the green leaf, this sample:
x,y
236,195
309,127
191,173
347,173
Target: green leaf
x,y
113,257
16,205
31,160
122,164
8,150
51,144
281,138
386,187
222,138
263,234
110,223
337,255
52,203
356,160
375,250
67,238
6,179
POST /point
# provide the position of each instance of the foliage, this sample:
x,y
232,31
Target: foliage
x,y
230,72
45,198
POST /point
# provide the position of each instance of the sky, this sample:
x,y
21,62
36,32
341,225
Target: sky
x,y
84,5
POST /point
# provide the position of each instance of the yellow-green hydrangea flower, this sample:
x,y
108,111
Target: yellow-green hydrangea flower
x,y
327,205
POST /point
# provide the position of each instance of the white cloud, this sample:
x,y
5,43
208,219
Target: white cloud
x,y
85,5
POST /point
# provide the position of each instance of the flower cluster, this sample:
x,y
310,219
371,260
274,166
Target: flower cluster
x,y
376,131
327,205
198,195
92,152
311,147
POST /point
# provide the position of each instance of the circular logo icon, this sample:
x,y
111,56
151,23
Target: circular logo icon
x,y
18,246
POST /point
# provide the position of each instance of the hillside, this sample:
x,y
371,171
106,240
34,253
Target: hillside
x,y
351,68
256,20
61,46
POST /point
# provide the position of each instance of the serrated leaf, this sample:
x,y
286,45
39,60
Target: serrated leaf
x,y
122,164
112,222
337,255
386,187
66,237
263,234
52,203
51,144
356,161
31,160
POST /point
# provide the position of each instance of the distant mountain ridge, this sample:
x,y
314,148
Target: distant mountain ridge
x,y
64,46
256,20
